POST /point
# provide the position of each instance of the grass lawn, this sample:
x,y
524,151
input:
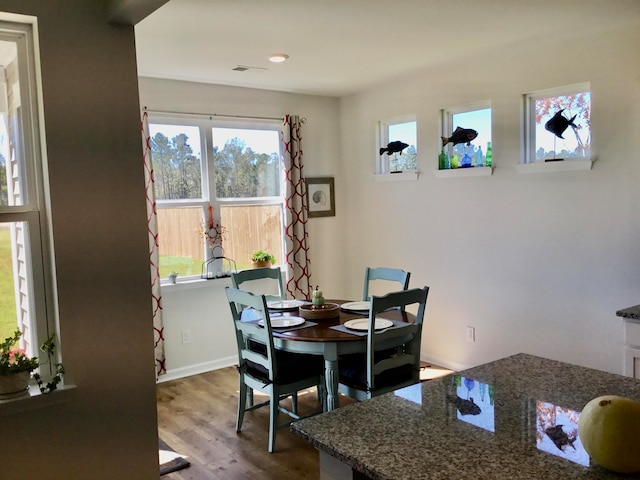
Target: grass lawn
x,y
8,322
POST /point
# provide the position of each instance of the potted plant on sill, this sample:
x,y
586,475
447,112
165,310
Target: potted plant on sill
x,y
16,368
262,259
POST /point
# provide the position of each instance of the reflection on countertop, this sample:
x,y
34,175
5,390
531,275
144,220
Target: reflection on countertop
x,y
515,418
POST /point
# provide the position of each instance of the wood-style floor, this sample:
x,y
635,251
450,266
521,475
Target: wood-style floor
x,y
197,418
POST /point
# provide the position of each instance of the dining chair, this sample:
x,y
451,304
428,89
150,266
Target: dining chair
x,y
254,281
274,372
392,358
388,275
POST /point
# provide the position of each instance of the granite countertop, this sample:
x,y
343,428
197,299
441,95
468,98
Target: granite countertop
x,y
631,312
509,406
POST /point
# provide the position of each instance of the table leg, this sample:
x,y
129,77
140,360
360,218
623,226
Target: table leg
x,y
331,375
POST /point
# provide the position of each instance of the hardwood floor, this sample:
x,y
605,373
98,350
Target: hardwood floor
x,y
197,416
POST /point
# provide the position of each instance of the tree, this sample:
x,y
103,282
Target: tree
x,y
4,192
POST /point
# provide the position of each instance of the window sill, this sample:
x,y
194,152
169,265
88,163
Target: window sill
x,y
36,400
552,167
189,284
396,177
465,172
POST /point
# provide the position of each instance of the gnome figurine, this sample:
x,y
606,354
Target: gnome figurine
x,y
317,299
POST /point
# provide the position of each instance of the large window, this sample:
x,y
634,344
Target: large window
x,y
26,280
231,166
558,124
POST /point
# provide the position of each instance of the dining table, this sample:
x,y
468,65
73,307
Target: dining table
x,y
326,336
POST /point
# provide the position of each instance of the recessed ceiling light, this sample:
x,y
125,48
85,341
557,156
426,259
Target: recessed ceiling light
x,y
278,57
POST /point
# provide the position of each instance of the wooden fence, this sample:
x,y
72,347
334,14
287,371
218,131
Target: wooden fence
x,y
248,229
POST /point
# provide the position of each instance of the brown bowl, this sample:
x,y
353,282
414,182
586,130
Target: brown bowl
x,y
328,310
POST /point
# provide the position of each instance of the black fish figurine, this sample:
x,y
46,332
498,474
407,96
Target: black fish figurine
x,y
559,123
460,135
394,147
560,437
465,407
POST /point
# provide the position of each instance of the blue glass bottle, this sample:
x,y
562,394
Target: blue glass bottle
x,y
465,162
479,158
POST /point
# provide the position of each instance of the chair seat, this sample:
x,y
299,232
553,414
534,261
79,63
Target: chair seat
x,y
352,371
292,367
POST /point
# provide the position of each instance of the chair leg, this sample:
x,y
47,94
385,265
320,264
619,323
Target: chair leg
x,y
242,404
273,419
250,397
294,403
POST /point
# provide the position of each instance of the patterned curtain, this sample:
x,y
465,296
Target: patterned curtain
x,y
296,212
152,224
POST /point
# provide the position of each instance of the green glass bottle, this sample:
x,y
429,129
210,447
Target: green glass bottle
x,y
488,157
442,160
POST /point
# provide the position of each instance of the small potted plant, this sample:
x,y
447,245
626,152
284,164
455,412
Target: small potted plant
x,y
16,367
262,259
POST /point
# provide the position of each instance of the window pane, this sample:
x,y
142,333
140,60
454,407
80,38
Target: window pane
x,y
246,163
576,143
473,155
255,227
406,160
181,246
8,316
175,150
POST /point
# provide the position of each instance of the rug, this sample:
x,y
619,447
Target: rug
x,y
170,461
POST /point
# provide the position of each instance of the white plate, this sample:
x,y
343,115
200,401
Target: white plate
x,y
284,322
285,304
356,306
363,324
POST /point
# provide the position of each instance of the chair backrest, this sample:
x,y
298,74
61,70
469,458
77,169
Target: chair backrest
x,y
254,280
405,339
388,274
245,331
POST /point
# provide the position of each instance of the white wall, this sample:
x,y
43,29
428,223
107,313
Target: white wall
x,y
536,263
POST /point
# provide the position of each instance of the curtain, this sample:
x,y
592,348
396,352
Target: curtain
x,y
296,212
152,225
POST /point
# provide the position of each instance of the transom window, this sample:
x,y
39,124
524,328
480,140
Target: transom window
x,y
568,136
234,167
393,156
476,118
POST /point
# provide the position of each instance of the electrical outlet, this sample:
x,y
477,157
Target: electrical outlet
x,y
471,334
186,336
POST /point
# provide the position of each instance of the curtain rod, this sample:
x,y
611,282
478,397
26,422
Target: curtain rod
x,y
211,115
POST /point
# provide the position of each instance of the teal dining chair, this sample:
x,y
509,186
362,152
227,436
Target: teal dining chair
x,y
394,275
261,280
392,358
274,372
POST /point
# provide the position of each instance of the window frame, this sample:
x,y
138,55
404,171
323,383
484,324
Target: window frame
x,y
206,124
382,160
35,210
528,154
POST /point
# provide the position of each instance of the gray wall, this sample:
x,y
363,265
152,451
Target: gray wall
x,y
107,429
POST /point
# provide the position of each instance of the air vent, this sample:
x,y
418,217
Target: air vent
x,y
245,68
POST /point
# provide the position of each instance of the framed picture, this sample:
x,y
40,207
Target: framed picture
x,y
320,197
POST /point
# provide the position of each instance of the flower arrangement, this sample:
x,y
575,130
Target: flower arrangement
x,y
211,231
14,360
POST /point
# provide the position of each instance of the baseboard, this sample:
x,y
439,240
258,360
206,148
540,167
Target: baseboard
x,y
443,362
176,373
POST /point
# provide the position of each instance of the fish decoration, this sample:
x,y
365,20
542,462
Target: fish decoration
x,y
394,147
560,438
559,123
465,407
460,135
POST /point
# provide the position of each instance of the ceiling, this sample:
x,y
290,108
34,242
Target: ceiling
x,y
338,47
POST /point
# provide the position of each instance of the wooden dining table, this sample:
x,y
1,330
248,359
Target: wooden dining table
x,y
321,339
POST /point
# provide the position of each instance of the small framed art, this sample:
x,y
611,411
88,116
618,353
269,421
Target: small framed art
x,y
321,197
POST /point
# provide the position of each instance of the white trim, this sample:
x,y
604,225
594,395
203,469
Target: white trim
x,y
465,172
443,362
396,177
553,167
176,373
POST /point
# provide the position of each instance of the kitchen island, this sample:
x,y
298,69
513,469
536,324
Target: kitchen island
x,y
515,418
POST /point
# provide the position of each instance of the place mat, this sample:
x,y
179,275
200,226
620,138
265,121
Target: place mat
x,y
170,461
361,333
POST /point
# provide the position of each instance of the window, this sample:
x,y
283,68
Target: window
x,y
571,107
397,146
235,167
26,280
471,119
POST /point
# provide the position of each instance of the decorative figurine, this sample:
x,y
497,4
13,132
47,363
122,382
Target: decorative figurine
x,y
317,299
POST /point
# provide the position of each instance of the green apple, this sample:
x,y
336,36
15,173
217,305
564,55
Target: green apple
x,y
609,428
